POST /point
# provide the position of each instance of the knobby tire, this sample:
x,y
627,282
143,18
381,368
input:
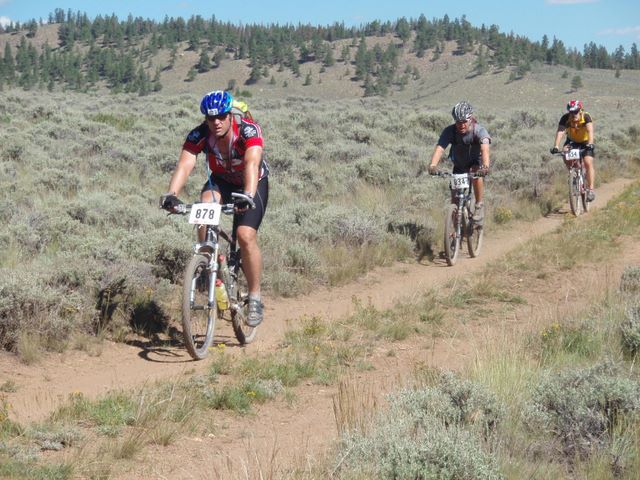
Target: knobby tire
x,y
244,333
583,196
575,202
198,320
451,240
474,235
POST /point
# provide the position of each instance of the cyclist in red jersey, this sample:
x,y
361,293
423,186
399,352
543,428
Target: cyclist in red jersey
x,y
234,155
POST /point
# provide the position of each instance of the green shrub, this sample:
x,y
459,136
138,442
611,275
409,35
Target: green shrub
x,y
502,215
630,329
630,280
428,433
580,408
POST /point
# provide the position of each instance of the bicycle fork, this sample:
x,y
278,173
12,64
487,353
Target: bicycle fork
x,y
459,215
212,273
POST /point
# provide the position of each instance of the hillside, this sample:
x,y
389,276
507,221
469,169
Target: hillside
x,y
334,62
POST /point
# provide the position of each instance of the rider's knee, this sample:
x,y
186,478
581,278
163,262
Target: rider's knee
x,y
247,236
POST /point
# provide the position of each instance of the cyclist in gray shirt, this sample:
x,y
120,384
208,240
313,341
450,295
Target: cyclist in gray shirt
x,y
470,151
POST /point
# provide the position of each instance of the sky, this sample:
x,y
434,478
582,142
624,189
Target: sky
x,y
610,23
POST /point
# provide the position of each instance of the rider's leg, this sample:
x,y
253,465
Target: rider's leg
x,y
251,257
478,189
591,173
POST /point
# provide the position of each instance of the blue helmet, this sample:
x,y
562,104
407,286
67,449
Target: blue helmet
x,y
216,103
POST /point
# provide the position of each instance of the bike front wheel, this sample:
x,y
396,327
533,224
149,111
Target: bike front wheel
x,y
198,318
583,194
474,235
575,202
244,333
451,237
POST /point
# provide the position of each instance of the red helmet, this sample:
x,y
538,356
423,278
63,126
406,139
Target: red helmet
x,y
574,106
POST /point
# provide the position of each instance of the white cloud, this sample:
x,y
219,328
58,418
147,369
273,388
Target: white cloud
x,y
4,21
622,32
569,2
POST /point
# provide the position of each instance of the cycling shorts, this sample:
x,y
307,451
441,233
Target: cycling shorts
x,y
251,218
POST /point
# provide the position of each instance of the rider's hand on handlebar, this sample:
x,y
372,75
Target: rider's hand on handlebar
x,y
483,171
245,203
589,148
433,169
554,150
169,202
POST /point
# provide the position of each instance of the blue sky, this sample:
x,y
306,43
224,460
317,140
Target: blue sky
x,y
576,22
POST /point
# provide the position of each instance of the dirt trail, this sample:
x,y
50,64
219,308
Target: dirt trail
x,y
42,387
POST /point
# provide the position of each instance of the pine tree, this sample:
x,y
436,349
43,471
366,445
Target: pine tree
x,y
329,61
403,30
157,85
362,59
204,65
576,83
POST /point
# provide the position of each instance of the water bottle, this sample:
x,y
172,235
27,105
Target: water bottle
x,y
222,300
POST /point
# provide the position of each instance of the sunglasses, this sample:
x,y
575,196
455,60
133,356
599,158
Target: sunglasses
x,y
220,117
574,112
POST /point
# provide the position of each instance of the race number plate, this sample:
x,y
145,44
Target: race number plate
x,y
205,214
459,180
573,154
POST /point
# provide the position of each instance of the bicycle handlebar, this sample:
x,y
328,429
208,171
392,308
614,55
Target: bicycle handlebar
x,y
227,208
449,174
562,153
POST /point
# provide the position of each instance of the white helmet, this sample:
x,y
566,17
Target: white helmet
x,y
462,111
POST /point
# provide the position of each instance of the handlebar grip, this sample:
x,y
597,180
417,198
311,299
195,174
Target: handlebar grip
x,y
182,208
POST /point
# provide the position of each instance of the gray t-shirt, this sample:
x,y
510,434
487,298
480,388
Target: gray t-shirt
x,y
465,149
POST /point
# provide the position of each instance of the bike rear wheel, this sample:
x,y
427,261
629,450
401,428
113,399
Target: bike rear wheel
x,y
451,238
474,235
244,333
575,202
198,319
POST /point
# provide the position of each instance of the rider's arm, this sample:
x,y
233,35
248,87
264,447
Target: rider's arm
x,y
485,155
436,156
559,135
252,160
590,133
186,164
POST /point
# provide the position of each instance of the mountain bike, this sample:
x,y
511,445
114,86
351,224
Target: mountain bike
x,y
214,282
574,160
458,219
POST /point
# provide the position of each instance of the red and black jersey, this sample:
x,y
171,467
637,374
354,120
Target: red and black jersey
x,y
245,135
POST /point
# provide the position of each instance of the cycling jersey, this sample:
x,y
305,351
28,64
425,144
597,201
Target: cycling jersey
x,y
465,148
245,135
576,131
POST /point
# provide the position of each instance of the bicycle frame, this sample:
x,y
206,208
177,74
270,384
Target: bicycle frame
x,y
218,263
210,262
574,160
463,197
458,218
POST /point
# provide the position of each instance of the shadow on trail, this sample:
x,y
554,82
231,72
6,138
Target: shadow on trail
x,y
173,350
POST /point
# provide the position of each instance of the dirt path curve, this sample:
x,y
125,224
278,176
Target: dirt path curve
x,y
42,387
